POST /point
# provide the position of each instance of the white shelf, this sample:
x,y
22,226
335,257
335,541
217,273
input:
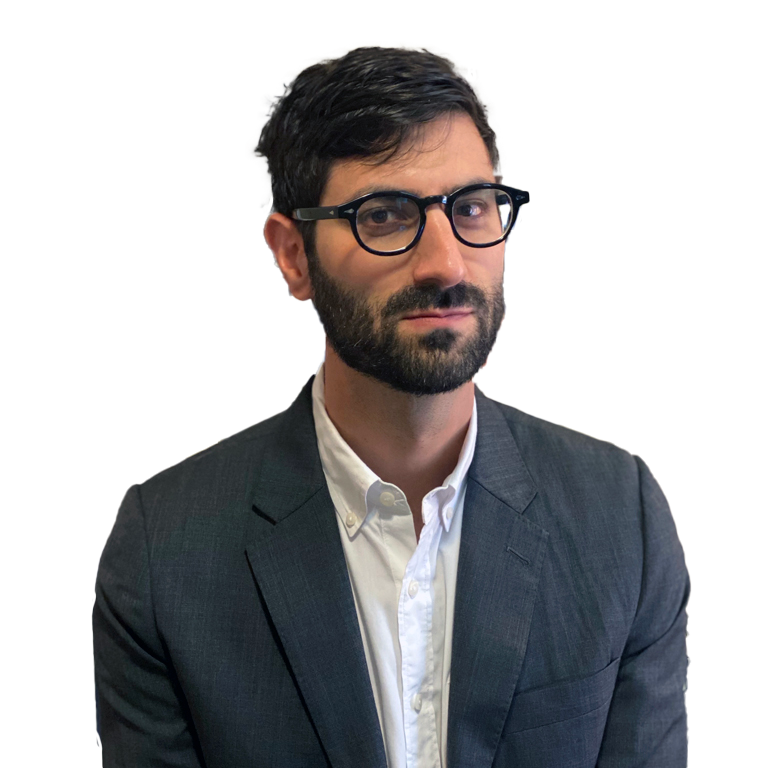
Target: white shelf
x,y
198,423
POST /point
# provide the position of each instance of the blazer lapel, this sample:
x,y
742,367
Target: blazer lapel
x,y
500,561
299,566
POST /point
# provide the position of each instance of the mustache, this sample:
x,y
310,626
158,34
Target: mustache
x,y
416,297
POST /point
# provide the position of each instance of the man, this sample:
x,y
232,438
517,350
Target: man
x,y
396,571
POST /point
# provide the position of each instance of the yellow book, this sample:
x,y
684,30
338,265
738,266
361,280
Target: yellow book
x,y
685,302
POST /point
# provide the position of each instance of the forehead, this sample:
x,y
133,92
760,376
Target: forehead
x,y
441,156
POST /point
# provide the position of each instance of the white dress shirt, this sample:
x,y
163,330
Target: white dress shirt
x,y
403,590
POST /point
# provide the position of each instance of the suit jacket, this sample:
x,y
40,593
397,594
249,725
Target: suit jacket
x,y
226,636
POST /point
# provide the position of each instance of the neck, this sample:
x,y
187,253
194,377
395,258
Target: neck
x,y
412,442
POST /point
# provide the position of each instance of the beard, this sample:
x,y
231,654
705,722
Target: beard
x,y
366,335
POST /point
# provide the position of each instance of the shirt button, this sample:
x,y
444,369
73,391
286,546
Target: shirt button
x,y
448,513
413,588
387,499
350,519
416,702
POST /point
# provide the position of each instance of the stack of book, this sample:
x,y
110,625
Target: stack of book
x,y
599,299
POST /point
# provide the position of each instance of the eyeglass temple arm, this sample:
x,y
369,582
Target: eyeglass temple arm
x,y
314,214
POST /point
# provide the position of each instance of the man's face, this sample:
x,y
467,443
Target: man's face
x,y
423,321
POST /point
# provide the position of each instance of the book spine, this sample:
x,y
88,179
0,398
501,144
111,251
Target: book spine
x,y
318,341
600,290
557,294
572,246
538,303
185,229
665,177
244,264
517,362
165,295
281,334
685,242
135,246
648,282
301,344
266,376
628,198
222,233
206,348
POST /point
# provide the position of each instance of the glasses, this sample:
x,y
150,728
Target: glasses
x,y
389,223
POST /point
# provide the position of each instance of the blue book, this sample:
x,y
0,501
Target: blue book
x,y
517,358
318,343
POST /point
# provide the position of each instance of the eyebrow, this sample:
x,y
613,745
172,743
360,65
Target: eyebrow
x,y
372,188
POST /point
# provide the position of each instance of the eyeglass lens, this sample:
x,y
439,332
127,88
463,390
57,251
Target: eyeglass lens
x,y
389,223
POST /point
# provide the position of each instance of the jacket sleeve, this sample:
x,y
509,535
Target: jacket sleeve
x,y
647,721
141,715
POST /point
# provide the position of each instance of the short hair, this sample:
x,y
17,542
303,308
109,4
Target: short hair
x,y
364,104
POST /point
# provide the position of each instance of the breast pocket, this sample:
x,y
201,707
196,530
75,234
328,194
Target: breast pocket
x,y
558,725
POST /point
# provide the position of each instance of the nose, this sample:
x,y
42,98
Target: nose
x,y
437,257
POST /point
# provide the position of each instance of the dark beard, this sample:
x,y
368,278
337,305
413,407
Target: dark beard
x,y
425,364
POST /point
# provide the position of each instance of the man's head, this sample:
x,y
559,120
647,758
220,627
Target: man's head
x,y
397,120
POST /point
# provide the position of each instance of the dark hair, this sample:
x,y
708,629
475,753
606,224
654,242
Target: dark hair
x,y
363,104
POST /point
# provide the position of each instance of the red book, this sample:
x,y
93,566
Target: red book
x,y
206,348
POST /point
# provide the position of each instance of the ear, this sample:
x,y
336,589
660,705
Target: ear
x,y
286,243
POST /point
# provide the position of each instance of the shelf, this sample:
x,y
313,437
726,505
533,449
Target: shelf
x,y
179,58
131,433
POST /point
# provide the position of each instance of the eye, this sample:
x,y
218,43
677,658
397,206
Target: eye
x,y
470,208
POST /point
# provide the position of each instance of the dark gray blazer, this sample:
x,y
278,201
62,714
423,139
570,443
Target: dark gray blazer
x,y
226,636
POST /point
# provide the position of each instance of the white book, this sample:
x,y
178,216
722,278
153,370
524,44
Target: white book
x,y
113,338
538,297
301,344
244,266
135,209
222,305
600,290
165,305
665,175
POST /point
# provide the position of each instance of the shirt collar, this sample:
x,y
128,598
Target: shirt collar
x,y
357,491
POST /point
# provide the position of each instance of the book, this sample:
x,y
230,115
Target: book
x,y
628,202
281,335
221,234
301,344
600,289
244,268
113,341
266,377
538,304
135,209
557,293
206,347
517,354
665,175
572,246
684,314
165,306
185,230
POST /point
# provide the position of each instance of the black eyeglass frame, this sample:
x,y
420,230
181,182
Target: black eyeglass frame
x,y
349,211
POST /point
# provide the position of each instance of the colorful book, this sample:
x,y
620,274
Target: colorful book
x,y
628,198
244,266
206,346
185,231
165,304
685,242
266,378
665,176
517,355
557,293
136,249
113,341
600,289
648,282
301,344
572,246
538,304
222,231
281,335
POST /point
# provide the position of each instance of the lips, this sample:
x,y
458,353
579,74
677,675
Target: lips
x,y
441,314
